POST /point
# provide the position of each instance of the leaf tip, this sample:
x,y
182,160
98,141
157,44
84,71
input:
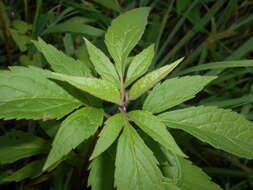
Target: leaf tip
x,y
178,61
45,167
85,40
92,156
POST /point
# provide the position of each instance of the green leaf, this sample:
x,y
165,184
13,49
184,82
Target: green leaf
x,y
20,39
228,102
50,127
62,175
175,91
170,186
75,25
187,176
75,129
97,87
16,145
111,4
194,178
182,5
221,128
60,62
102,64
124,33
68,43
150,79
21,26
217,65
109,134
35,60
193,15
101,172
30,170
82,54
151,125
140,64
26,93
136,166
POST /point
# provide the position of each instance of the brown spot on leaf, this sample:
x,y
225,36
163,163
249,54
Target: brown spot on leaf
x,y
47,117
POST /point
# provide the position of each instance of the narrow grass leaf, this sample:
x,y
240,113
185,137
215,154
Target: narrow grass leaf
x,y
15,145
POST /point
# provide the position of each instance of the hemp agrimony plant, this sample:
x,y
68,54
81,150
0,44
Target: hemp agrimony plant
x,y
130,149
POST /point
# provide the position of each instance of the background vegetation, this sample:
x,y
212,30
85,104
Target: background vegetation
x,y
214,36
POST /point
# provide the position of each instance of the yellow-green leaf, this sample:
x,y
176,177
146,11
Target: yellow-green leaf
x,y
175,91
60,62
124,33
102,64
151,125
221,128
109,134
97,87
136,166
150,79
140,65
185,175
26,93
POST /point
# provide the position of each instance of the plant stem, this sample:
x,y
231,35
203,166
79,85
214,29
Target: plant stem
x,y
35,22
107,115
6,37
122,90
26,9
